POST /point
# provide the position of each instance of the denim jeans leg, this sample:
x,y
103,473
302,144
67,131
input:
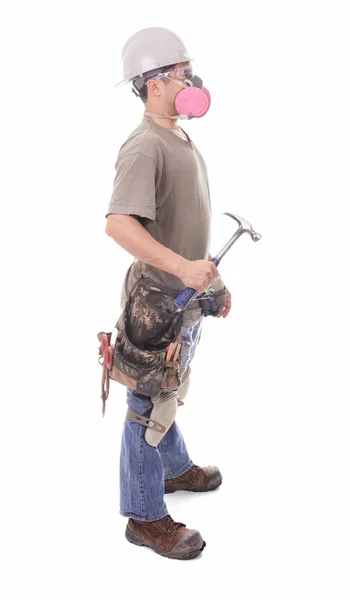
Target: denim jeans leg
x,y
141,468
190,338
173,452
144,468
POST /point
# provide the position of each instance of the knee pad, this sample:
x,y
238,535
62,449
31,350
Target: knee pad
x,y
163,412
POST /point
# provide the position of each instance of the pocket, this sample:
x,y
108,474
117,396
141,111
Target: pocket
x,y
142,366
152,321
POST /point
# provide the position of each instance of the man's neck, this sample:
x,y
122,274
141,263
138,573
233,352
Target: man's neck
x,y
162,122
170,124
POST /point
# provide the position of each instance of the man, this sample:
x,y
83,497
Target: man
x,y
160,213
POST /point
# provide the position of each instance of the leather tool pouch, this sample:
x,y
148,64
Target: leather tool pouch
x,y
146,353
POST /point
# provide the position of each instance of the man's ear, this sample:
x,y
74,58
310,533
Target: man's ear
x,y
153,87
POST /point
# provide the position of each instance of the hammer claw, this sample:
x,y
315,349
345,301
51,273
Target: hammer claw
x,y
244,227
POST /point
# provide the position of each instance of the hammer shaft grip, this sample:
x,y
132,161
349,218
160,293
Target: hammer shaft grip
x,y
185,297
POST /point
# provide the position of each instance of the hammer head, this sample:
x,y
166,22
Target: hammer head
x,y
245,226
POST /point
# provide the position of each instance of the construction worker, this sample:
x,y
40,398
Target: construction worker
x,y
160,213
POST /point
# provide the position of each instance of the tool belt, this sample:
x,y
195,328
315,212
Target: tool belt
x,y
146,354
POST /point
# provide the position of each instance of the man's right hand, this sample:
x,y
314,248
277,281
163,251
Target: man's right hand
x,y
198,274
135,239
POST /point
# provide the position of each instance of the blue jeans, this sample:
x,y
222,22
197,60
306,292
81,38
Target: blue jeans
x,y
143,468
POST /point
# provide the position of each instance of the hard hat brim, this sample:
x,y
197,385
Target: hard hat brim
x,y
123,82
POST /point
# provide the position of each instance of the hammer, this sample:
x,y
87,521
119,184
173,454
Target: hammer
x,y
189,294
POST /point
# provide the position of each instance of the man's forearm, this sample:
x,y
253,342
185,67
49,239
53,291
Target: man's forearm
x,y
126,231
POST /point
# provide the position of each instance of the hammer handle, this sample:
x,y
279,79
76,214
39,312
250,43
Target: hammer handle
x,y
185,297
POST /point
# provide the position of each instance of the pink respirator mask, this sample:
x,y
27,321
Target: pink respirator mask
x,y
193,101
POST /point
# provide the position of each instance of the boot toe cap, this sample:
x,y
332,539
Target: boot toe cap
x,y
215,476
191,542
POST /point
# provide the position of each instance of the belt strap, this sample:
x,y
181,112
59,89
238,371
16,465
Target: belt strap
x,y
131,415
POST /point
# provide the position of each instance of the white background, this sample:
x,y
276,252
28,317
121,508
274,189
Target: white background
x,y
269,402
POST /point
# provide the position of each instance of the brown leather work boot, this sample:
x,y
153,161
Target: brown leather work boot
x,y
196,479
166,537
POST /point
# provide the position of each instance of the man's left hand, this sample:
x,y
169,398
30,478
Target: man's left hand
x,y
227,308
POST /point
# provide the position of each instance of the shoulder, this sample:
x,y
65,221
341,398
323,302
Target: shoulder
x,y
144,140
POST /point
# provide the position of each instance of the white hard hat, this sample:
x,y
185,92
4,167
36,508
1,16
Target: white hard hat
x,y
149,49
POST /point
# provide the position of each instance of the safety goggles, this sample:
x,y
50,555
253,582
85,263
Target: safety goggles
x,y
183,74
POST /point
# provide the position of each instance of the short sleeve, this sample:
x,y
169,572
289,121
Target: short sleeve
x,y
134,188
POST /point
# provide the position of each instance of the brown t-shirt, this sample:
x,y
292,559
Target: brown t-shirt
x,y
162,180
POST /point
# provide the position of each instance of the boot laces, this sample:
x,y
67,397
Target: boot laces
x,y
196,468
170,525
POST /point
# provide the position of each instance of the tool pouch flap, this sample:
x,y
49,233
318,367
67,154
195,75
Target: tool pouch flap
x,y
148,325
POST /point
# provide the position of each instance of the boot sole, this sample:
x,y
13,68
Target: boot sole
x,y
175,487
135,539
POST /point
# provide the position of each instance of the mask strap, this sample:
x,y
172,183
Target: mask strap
x,y
182,117
149,114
